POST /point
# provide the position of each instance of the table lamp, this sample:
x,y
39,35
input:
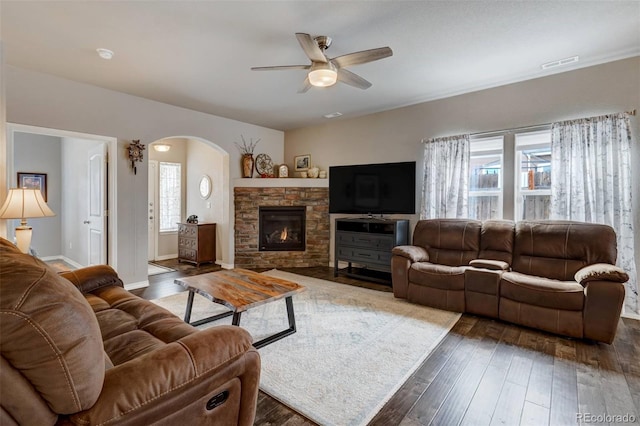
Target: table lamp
x,y
23,203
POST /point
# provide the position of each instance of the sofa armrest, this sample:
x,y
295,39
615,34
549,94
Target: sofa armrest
x,y
601,272
602,307
93,277
494,265
413,253
179,379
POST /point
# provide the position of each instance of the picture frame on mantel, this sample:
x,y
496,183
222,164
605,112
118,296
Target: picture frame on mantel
x,y
31,180
302,162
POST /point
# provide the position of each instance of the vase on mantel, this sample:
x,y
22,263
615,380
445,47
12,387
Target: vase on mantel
x,y
247,165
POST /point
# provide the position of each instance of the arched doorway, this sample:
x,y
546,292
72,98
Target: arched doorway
x,y
195,158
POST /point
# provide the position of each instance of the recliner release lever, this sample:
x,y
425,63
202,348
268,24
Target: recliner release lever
x,y
217,400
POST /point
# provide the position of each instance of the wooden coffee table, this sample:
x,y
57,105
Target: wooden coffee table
x,y
239,290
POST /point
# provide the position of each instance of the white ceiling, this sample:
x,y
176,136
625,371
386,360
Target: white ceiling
x,y
198,54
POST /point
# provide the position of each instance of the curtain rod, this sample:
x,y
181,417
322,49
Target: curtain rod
x,y
537,126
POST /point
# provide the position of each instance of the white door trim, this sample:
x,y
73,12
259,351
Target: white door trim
x,y
112,145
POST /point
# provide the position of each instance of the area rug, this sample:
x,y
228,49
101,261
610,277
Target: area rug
x,y
353,348
154,269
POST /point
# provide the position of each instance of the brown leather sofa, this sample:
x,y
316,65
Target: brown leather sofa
x,y
557,276
79,349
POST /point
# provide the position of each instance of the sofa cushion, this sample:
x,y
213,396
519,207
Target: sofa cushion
x,y
451,242
496,240
437,276
59,351
539,291
558,249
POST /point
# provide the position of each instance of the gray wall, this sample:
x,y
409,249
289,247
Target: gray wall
x,y
44,100
41,154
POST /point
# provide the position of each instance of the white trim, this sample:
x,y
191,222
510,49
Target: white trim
x,y
166,257
112,152
224,265
139,284
64,259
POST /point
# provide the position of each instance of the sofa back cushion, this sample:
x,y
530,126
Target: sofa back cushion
x,y
558,249
452,242
496,240
48,333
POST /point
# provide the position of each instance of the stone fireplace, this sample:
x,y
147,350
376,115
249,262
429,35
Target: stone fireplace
x,y
282,228
313,202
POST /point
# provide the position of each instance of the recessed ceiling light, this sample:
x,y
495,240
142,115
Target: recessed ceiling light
x,y
560,62
105,53
333,115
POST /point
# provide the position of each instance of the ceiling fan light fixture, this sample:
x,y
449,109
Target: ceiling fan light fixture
x,y
323,75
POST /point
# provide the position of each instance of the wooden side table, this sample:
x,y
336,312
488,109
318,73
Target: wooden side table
x,y
197,243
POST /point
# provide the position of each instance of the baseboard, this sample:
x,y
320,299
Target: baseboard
x,y
224,265
631,316
166,257
139,284
64,259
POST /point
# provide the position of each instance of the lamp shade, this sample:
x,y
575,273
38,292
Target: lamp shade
x,y
22,203
323,75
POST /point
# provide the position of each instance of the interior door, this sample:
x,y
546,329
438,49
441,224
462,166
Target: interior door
x,y
151,196
97,220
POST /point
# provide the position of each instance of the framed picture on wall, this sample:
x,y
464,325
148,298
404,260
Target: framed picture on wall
x,y
33,181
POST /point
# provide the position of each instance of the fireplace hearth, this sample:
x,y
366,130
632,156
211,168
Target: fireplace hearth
x,y
282,228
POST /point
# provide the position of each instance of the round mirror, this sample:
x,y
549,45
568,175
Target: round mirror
x,y
205,187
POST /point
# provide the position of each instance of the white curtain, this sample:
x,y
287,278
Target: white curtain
x,y
591,182
446,177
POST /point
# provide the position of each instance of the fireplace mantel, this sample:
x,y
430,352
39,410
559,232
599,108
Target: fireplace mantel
x,y
280,183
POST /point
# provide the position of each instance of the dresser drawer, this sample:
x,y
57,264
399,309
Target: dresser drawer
x,y
355,254
188,230
188,254
190,243
356,239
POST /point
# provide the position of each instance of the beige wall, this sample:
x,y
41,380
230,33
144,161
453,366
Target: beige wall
x,y
395,135
203,159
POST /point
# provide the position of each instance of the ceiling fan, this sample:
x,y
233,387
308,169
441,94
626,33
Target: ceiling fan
x,y
324,71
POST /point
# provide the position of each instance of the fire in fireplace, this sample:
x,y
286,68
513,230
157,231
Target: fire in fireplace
x,y
282,228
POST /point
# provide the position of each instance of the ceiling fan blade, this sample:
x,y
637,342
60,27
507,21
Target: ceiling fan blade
x,y
362,57
306,85
281,68
311,48
352,79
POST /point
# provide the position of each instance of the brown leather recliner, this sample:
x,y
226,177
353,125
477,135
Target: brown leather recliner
x,y
557,276
79,349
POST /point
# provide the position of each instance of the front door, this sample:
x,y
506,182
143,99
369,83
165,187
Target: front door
x,y
151,201
97,220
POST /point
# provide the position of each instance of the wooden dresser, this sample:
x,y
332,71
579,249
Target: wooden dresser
x,y
197,243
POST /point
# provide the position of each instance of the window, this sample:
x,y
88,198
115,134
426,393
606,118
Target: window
x,y
485,180
510,176
533,177
170,200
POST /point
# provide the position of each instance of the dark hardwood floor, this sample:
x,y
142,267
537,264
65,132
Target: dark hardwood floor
x,y
487,372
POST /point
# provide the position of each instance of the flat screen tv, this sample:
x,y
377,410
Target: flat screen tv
x,y
388,188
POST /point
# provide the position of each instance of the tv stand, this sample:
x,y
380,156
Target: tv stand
x,y
367,242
